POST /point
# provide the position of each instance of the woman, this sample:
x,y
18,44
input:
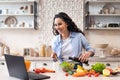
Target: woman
x,y
69,40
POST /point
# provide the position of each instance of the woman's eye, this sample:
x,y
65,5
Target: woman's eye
x,y
58,24
55,24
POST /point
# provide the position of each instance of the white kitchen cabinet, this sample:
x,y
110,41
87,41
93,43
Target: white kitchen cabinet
x,y
102,14
18,15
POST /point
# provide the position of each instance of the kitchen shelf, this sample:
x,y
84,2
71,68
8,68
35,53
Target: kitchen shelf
x,y
17,14
16,27
103,1
108,28
16,2
99,14
103,15
23,13
32,58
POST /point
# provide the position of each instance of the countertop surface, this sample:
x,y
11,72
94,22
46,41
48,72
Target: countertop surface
x,y
59,74
91,59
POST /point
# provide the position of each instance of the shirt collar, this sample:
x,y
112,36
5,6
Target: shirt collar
x,y
71,36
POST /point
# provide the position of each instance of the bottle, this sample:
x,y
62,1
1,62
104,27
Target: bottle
x,y
42,50
77,60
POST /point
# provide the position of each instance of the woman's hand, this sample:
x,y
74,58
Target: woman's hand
x,y
54,56
84,57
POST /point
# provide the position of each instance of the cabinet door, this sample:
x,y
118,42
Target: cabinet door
x,y
18,15
102,15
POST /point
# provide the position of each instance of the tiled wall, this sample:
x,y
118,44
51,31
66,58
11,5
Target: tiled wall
x,y
48,8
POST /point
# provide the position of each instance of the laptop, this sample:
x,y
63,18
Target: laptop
x,y
16,68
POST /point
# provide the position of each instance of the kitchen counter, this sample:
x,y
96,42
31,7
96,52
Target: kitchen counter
x,y
58,75
107,59
92,59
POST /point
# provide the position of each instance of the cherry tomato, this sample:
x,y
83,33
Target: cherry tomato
x,y
89,75
37,71
66,74
96,74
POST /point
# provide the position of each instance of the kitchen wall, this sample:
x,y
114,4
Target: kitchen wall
x,y
17,39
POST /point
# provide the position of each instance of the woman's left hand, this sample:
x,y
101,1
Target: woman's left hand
x,y
84,57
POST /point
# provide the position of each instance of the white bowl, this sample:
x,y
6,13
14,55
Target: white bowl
x,y
101,46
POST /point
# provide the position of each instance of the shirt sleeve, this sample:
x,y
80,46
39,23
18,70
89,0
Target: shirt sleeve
x,y
54,44
86,45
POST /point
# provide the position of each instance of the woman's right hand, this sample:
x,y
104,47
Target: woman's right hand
x,y
54,56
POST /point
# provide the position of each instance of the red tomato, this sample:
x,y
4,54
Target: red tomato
x,y
96,74
37,71
42,70
89,75
66,74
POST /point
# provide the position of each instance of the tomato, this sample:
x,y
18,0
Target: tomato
x,y
66,74
37,71
96,74
42,70
89,75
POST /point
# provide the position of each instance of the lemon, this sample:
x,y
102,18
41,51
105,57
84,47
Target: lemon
x,y
78,70
80,67
106,72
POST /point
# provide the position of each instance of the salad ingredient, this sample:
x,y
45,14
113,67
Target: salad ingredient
x,y
79,74
66,74
106,72
98,67
67,66
43,70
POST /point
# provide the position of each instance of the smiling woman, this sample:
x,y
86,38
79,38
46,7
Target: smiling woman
x,y
69,40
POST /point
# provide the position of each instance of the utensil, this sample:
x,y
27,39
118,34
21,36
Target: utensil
x,y
115,73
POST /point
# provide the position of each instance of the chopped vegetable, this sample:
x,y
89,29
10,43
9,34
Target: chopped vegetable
x,y
70,72
66,74
67,66
98,67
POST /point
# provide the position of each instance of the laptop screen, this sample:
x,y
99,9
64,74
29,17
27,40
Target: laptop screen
x,y
16,66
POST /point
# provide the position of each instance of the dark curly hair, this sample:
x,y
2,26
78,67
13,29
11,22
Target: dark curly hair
x,y
72,27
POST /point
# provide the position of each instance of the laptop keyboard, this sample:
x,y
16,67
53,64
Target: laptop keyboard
x,y
35,76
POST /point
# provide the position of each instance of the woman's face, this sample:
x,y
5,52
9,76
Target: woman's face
x,y
60,26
